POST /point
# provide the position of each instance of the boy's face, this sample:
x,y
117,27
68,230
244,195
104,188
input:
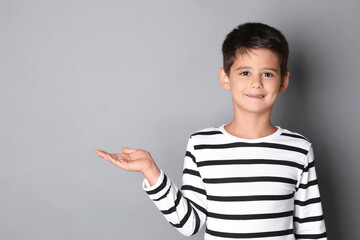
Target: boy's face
x,y
255,72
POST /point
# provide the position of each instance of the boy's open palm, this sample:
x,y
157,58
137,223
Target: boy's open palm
x,y
136,160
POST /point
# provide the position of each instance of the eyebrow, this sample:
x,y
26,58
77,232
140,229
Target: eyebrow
x,y
247,67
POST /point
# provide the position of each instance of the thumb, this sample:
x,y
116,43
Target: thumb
x,y
128,150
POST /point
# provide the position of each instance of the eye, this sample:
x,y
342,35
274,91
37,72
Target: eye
x,y
268,74
245,73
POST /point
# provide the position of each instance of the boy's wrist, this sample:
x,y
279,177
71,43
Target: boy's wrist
x,y
152,174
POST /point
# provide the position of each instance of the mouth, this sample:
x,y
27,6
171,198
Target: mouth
x,y
258,96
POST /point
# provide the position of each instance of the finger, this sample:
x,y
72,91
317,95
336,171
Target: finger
x,y
100,153
111,159
128,150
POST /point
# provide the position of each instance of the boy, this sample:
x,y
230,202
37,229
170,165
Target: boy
x,y
248,179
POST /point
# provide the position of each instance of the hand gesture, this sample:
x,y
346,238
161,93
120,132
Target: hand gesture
x,y
136,160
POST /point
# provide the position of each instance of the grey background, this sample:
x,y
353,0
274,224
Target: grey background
x,y
81,75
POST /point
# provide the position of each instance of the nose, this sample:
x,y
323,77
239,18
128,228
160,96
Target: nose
x,y
256,82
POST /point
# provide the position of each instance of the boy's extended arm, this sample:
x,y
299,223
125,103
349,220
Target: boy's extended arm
x,y
184,209
308,213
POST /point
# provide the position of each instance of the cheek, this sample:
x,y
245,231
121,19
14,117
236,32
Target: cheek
x,y
273,87
237,90
272,96
237,85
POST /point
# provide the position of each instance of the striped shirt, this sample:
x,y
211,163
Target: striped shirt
x,y
259,189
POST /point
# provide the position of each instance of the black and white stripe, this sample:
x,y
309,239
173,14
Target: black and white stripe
x,y
262,188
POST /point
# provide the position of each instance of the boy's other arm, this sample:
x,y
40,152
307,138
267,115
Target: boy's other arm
x,y
184,209
309,220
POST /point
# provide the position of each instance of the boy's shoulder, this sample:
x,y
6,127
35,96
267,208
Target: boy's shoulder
x,y
284,136
294,138
208,131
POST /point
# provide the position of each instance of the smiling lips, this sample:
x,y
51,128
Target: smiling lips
x,y
259,96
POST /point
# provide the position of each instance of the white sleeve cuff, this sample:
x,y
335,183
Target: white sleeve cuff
x,y
146,185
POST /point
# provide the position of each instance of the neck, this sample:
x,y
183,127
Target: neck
x,y
251,125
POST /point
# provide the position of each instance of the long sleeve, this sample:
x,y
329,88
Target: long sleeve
x,y
184,209
308,213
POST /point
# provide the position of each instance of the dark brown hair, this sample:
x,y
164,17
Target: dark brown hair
x,y
254,35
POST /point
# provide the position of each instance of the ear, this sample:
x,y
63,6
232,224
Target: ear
x,y
224,79
284,82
